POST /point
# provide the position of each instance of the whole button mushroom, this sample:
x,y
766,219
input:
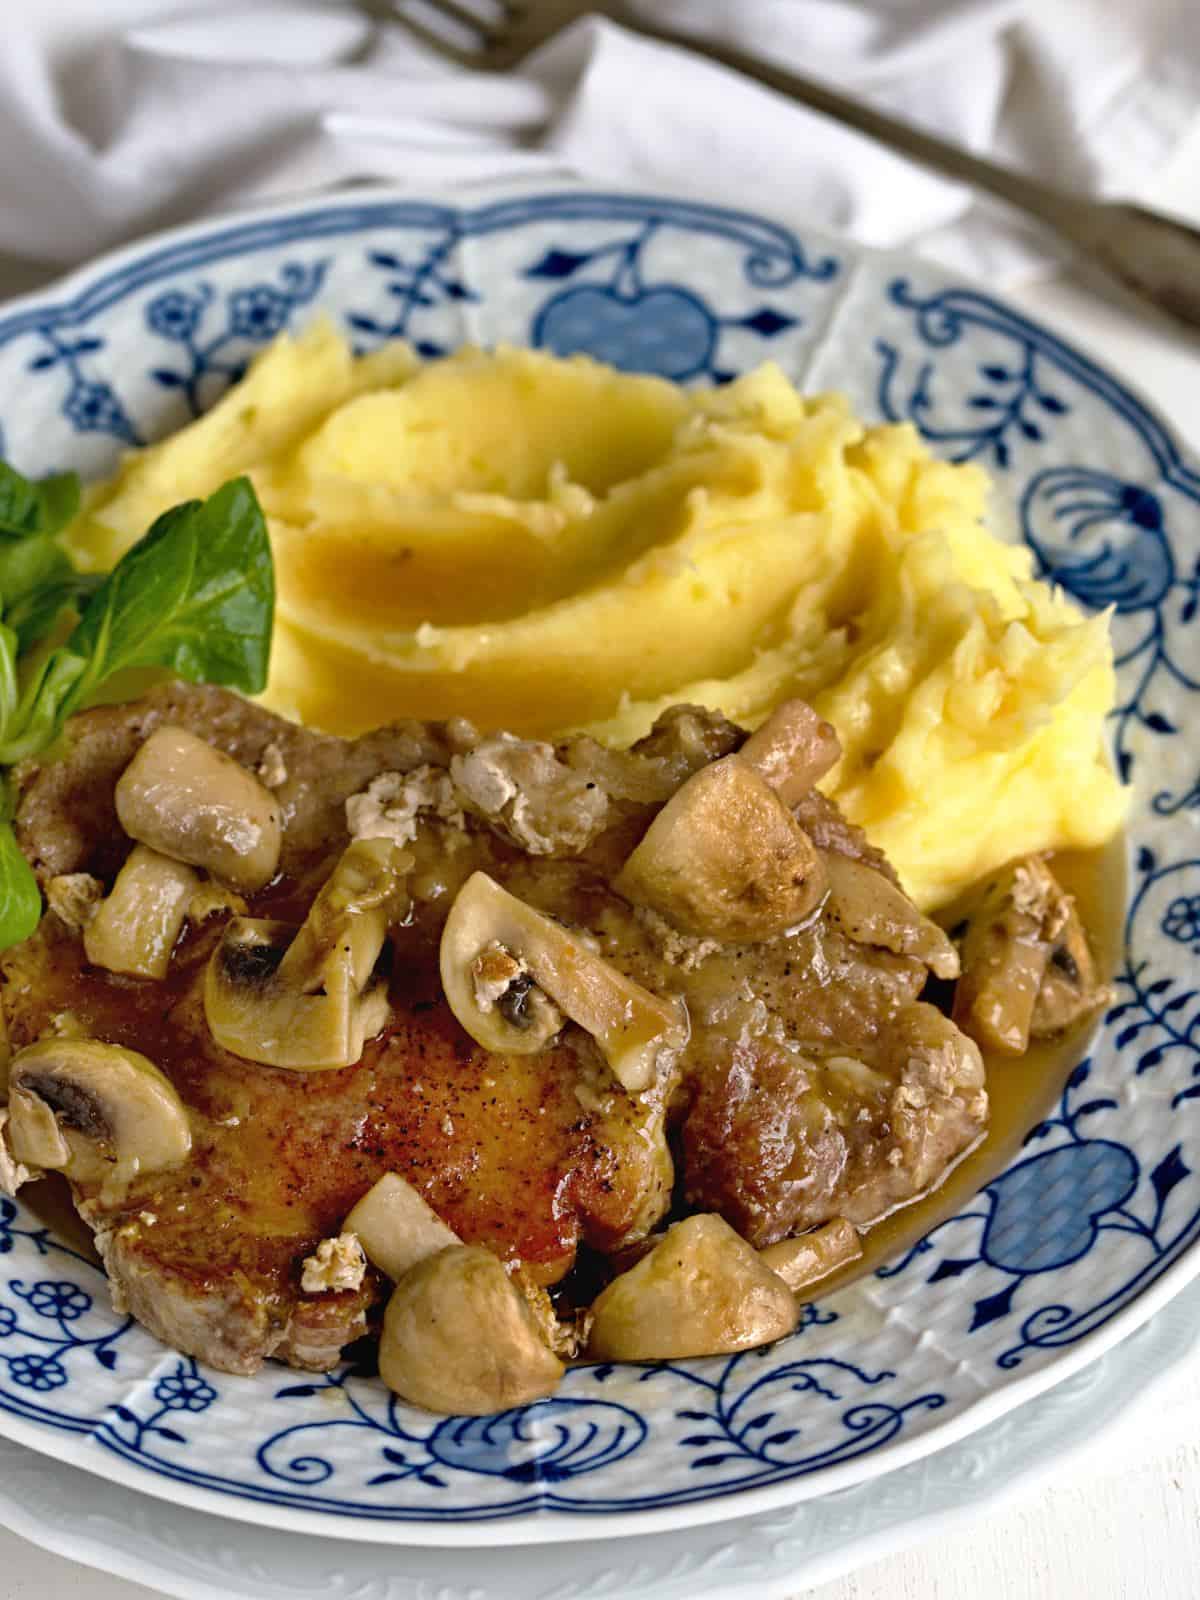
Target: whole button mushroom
x,y
702,1291
459,1338
725,858
197,805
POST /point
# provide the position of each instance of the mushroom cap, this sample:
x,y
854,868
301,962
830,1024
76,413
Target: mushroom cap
x,y
725,859
702,1291
115,1113
194,803
459,1338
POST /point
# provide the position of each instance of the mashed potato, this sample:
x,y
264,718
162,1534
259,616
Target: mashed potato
x,y
544,544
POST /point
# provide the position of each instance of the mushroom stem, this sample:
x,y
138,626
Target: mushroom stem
x,y
809,1257
397,1227
340,939
792,750
134,930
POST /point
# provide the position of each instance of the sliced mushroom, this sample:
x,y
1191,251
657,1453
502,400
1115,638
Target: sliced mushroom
x,y
93,1111
13,1173
197,805
134,930
1070,988
308,998
251,1013
726,859
397,1227
459,1338
34,1134
871,910
792,750
341,937
702,1291
1027,969
810,1257
631,1026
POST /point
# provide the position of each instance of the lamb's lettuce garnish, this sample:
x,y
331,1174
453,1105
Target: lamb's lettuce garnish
x,y
195,595
20,897
42,505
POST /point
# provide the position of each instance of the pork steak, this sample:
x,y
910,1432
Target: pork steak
x,y
815,1083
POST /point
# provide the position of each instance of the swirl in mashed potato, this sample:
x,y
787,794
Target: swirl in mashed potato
x,y
542,544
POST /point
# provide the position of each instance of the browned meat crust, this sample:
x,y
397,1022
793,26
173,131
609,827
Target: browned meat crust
x,y
67,820
814,1085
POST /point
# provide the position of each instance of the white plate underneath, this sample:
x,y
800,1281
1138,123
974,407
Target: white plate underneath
x,y
201,1557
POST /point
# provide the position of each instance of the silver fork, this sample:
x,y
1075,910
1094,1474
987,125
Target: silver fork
x,y
1153,254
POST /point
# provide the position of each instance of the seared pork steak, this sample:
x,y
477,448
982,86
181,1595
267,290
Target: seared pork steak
x,y
814,1083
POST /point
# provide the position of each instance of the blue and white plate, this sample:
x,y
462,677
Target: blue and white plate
x,y
1092,1226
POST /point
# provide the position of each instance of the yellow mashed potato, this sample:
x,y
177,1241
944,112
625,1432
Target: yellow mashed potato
x,y
543,544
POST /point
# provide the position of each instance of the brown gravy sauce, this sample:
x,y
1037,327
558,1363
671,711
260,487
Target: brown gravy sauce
x,y
49,1199
1022,1091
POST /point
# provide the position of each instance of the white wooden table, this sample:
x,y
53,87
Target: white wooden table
x,y
1125,1525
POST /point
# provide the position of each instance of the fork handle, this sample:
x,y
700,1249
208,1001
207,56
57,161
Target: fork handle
x,y
1152,254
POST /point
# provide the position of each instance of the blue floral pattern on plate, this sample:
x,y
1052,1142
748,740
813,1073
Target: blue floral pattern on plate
x,y
1096,1217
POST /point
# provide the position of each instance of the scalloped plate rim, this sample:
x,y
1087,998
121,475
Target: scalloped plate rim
x,y
850,1555
540,1526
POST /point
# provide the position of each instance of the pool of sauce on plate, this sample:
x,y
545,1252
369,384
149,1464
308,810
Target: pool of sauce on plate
x,y
1022,1091
49,1199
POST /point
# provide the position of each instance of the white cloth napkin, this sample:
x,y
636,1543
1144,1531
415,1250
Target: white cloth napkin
x,y
208,107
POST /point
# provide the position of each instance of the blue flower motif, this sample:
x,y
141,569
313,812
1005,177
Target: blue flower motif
x,y
182,1390
94,408
59,1301
258,313
174,315
8,1321
669,330
1046,1211
38,1372
1102,539
1182,921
